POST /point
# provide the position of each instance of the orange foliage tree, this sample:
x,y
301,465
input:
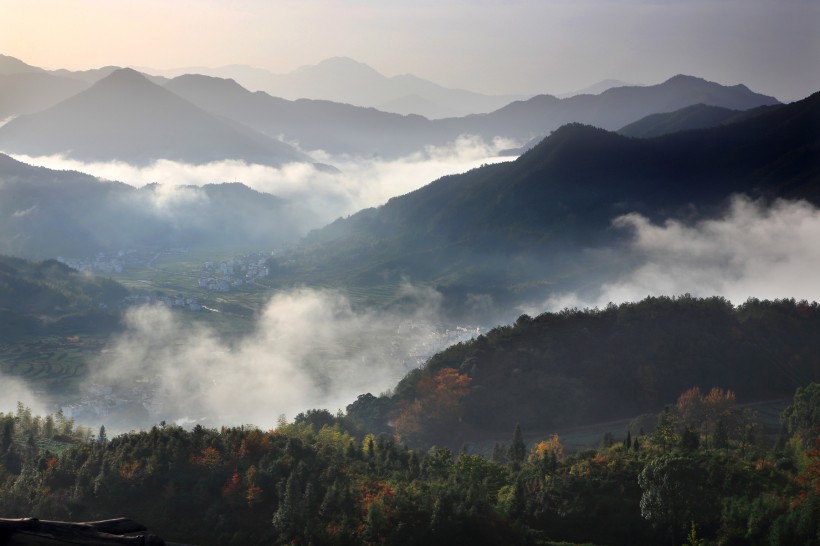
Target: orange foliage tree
x,y
715,412
549,449
438,403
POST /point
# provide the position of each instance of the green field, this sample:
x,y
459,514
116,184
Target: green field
x,y
55,364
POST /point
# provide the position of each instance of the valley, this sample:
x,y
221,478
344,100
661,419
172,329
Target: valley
x,y
366,275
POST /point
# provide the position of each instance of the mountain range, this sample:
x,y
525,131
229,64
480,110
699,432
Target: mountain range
x,y
126,117
129,117
344,80
338,128
510,229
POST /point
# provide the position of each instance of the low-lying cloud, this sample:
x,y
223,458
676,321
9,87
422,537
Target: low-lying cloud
x,y
309,349
14,390
319,196
755,249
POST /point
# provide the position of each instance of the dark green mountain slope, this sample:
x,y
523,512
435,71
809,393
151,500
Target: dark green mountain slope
x,y
38,297
575,367
507,226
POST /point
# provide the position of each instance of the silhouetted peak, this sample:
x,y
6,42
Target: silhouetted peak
x,y
683,79
577,131
572,135
123,76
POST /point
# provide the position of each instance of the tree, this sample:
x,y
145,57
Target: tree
x,y
689,440
691,408
499,454
665,436
720,411
437,406
518,449
802,417
675,490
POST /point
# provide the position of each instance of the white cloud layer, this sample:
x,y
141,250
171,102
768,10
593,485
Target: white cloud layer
x,y
14,390
309,349
319,196
753,250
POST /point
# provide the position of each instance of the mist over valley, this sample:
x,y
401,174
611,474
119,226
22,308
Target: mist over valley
x,y
491,236
375,277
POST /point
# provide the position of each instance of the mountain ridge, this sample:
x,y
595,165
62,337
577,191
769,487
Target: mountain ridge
x,y
46,213
514,224
126,117
348,129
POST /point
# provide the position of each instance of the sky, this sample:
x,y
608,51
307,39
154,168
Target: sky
x,y
489,46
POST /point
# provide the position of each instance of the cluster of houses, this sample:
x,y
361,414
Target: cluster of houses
x,y
233,273
173,302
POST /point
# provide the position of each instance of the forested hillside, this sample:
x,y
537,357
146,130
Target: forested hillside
x,y
38,297
319,484
506,228
576,367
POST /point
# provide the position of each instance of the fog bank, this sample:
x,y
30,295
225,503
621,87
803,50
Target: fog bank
x,y
318,196
309,349
755,249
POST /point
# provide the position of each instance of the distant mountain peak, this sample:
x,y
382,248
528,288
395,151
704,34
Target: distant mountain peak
x,y
342,61
12,65
342,65
126,76
597,88
684,78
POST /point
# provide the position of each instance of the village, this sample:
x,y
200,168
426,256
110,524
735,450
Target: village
x,y
238,271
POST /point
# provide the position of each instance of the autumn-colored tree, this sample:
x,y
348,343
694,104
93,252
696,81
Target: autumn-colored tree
x,y
547,449
665,436
691,408
720,408
209,457
438,403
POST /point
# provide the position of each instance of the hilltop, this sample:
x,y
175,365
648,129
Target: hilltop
x,y
508,228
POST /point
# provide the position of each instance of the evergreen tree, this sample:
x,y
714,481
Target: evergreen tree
x,y
499,454
518,449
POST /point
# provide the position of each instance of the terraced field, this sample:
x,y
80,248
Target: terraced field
x,y
55,364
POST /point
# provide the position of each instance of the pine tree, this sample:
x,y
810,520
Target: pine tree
x,y
499,454
518,449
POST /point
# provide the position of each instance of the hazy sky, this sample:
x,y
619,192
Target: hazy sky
x,y
494,46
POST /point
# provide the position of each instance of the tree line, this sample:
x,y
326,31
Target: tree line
x,y
317,481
